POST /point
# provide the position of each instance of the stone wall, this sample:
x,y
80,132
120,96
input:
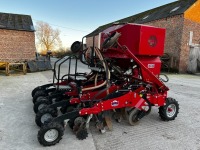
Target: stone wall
x,y
16,46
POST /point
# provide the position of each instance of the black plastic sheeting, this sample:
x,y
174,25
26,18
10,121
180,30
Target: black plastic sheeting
x,y
39,65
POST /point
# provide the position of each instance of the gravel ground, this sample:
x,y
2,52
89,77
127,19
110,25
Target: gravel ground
x,y
18,130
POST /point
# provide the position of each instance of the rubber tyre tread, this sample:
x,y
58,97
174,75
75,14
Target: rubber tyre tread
x,y
133,113
45,128
42,87
39,102
40,113
35,90
163,109
38,94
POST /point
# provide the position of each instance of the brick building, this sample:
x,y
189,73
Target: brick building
x,y
17,38
180,18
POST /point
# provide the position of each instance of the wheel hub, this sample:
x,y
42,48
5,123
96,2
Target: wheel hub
x,y
46,117
41,106
40,97
51,135
171,110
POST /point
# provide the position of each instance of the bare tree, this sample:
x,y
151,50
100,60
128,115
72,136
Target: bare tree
x,y
47,37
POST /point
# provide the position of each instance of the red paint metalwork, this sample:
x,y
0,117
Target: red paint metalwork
x,y
90,95
142,40
143,45
121,102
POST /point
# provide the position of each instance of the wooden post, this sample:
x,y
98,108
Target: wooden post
x,y
7,69
24,68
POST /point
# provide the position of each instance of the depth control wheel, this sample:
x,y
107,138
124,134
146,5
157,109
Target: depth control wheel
x,y
170,110
45,115
40,104
50,134
78,126
132,116
35,90
38,95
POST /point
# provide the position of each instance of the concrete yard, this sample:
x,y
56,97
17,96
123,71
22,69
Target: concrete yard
x,y
18,130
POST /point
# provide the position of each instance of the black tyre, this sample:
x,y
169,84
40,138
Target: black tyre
x,y
50,134
35,90
170,110
40,104
78,121
38,95
132,116
66,109
43,87
44,115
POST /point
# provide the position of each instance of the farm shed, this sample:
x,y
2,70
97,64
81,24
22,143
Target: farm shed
x,y
180,18
17,38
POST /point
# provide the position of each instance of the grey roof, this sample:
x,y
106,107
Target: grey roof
x,y
165,11
16,22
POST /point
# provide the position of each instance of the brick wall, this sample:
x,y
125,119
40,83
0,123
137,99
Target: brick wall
x,y
174,29
177,38
16,46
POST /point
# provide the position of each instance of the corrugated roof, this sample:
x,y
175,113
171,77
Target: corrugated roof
x,y
16,22
165,11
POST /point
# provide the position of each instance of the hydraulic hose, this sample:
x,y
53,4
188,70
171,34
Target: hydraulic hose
x,y
106,69
107,75
166,78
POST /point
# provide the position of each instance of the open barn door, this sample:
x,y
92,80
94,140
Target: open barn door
x,y
194,60
194,56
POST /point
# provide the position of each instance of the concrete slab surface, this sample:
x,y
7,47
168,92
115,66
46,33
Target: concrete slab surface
x,y
18,130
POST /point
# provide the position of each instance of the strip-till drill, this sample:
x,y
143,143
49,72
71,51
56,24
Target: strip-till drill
x,y
127,84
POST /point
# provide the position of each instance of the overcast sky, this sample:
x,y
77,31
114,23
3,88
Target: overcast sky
x,y
76,18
